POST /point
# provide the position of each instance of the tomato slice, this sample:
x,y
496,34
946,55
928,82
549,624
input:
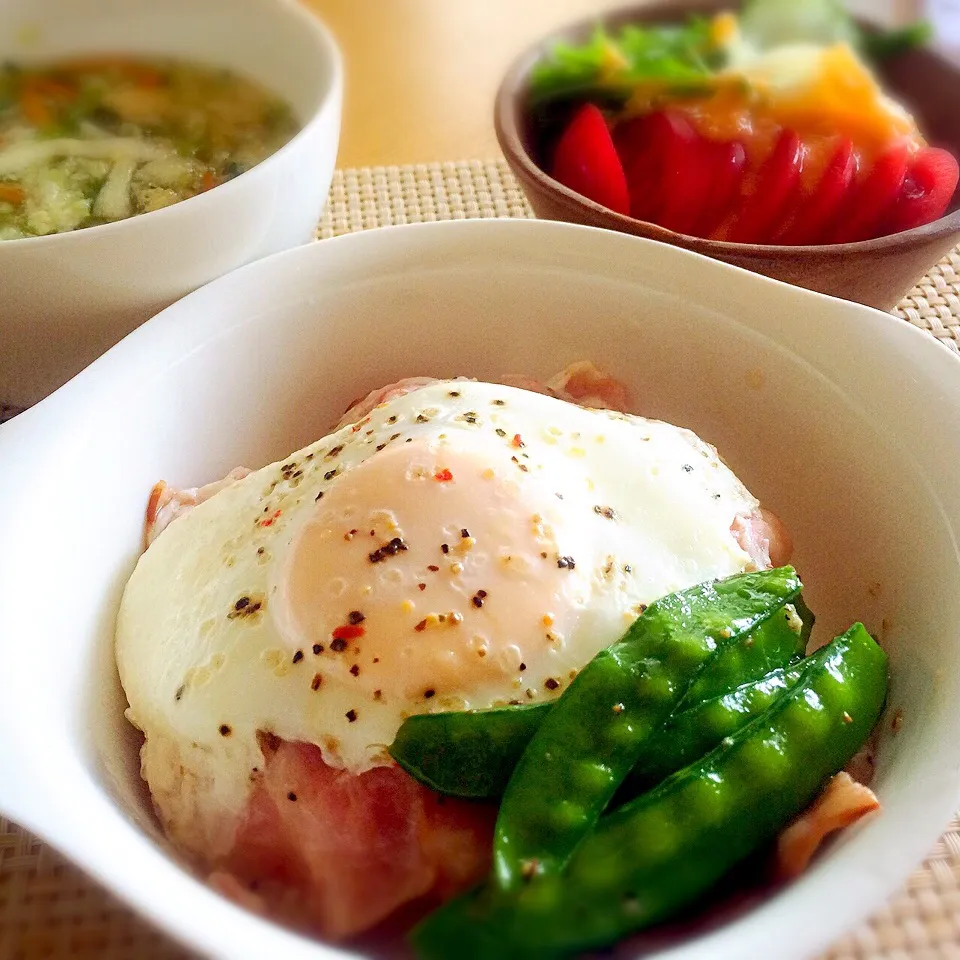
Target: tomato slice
x,y
869,203
586,161
767,194
928,188
687,178
665,166
816,213
729,162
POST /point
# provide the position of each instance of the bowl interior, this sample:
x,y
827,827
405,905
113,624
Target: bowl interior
x,y
840,419
266,40
924,81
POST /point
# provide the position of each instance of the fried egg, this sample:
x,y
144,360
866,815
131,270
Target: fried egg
x,y
464,545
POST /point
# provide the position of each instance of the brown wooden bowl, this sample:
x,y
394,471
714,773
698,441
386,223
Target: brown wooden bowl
x,y
874,272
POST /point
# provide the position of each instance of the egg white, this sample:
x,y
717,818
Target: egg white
x,y
576,517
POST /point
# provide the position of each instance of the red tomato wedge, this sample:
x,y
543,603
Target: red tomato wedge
x,y
729,164
686,175
666,166
768,193
928,188
586,161
870,202
817,212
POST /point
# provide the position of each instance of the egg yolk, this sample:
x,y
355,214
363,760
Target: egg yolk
x,y
432,570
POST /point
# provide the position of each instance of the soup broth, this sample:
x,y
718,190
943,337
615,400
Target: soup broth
x,y
87,142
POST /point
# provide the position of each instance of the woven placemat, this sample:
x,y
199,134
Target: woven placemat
x,y
50,909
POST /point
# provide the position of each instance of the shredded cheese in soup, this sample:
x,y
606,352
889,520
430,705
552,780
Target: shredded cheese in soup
x,y
85,142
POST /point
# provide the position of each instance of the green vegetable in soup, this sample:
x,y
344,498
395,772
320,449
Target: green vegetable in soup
x,y
657,854
85,142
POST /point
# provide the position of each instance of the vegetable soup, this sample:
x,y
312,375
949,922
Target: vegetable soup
x,y
86,142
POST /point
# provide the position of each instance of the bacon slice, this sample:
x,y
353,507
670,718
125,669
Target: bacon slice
x,y
166,503
582,383
344,852
763,535
842,803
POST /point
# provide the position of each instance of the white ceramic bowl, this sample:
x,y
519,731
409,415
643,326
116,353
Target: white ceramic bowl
x,y
66,298
843,420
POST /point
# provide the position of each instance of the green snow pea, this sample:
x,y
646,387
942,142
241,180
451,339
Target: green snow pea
x,y
688,735
473,753
780,641
596,731
659,853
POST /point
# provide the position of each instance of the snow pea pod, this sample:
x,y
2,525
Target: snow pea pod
x,y
596,731
657,854
473,753
755,655
693,732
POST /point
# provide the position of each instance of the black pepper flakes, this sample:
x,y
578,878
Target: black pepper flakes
x,y
319,496
315,682
422,419
688,468
225,730
330,474
354,617
566,563
246,607
499,403
627,568
501,432
338,645
351,715
335,452
454,393
551,684
444,548
292,797
317,649
464,533
298,656
392,419
523,667
179,692
391,549
429,693
355,670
